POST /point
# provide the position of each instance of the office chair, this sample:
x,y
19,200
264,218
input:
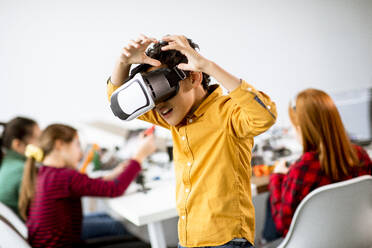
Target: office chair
x,y
336,215
13,233
9,237
13,219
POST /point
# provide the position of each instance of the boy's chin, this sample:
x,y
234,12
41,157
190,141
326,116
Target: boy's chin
x,y
173,122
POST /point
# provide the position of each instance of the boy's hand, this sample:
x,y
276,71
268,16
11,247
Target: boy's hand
x,y
196,62
134,52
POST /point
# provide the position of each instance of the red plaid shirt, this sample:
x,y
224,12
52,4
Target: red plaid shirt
x,y
305,175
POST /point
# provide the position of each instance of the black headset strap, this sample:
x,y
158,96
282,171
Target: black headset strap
x,y
137,69
173,75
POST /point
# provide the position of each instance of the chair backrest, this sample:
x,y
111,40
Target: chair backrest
x,y
13,219
336,215
9,237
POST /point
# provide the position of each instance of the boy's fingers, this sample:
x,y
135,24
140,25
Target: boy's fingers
x,y
180,39
153,39
129,46
146,39
184,66
147,42
170,38
142,40
175,38
166,48
152,62
134,44
125,52
171,46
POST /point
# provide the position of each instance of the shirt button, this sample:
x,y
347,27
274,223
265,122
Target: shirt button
x,y
190,121
183,138
187,190
183,217
269,107
188,163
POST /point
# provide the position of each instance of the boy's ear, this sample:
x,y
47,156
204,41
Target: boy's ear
x,y
196,78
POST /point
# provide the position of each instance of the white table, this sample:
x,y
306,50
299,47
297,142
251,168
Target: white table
x,y
149,208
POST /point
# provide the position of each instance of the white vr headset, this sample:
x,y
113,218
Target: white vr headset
x,y
141,92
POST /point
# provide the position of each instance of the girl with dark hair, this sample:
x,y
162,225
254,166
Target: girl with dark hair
x,y
17,134
50,197
328,157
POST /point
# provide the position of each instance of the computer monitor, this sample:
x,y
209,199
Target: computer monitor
x,y
355,108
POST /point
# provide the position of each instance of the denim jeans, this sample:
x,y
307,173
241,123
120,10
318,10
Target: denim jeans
x,y
231,244
101,225
269,232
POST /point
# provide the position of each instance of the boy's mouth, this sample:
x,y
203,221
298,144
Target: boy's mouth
x,y
165,112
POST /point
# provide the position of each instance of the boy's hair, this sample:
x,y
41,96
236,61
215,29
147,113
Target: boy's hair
x,y
172,58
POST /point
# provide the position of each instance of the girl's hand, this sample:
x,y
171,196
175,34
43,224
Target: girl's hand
x,y
116,172
134,52
146,147
280,167
196,62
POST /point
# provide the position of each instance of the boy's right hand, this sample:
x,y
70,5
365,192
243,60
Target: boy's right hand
x,y
135,52
146,146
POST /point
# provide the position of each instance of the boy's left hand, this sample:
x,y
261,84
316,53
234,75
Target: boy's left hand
x,y
196,62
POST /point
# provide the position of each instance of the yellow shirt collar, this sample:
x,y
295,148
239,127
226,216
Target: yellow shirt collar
x,y
214,92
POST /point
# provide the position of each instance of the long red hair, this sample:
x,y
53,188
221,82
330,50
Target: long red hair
x,y
316,117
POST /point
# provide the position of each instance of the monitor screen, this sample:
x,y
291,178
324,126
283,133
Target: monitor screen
x,y
355,108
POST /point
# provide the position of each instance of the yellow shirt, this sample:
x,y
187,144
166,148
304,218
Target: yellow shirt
x,y
212,154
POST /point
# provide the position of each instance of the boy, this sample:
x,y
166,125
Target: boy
x,y
212,137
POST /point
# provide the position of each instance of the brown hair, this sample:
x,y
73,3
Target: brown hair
x,y
322,131
46,142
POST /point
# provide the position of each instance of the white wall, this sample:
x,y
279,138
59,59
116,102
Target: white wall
x,y
55,56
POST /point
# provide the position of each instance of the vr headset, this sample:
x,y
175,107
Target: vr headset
x,y
141,92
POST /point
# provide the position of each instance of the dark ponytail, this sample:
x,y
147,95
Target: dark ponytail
x,y
18,128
